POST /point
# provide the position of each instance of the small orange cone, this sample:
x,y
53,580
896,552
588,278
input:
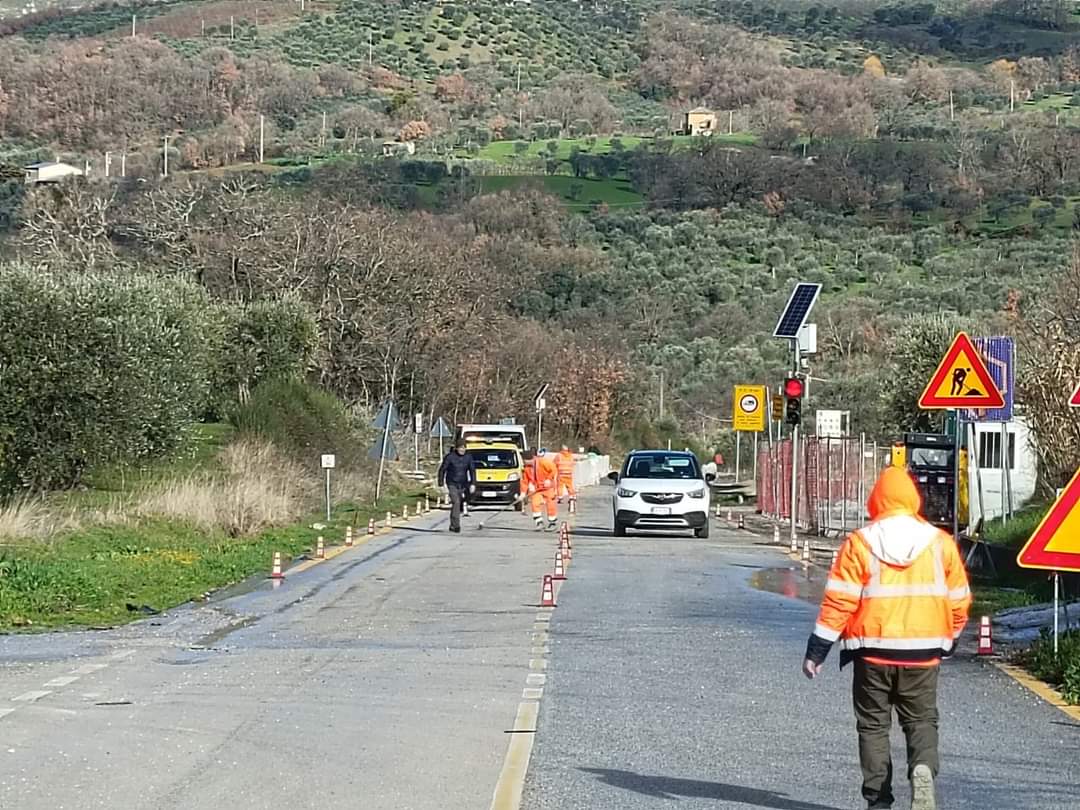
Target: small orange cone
x,y
371,526
389,520
986,637
320,549
547,596
427,504
729,518
405,512
419,508
718,511
275,572
742,522
348,536
573,505
560,569
564,545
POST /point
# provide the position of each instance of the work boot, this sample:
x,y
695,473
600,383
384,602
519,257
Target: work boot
x,y
922,788
552,525
879,805
539,524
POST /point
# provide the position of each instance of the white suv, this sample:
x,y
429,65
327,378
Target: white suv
x,y
659,490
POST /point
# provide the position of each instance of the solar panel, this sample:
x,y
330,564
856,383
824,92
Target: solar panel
x,y
797,310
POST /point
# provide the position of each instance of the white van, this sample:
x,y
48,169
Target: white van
x,y
492,434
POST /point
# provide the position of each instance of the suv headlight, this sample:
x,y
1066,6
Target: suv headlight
x,y
625,493
697,493
513,477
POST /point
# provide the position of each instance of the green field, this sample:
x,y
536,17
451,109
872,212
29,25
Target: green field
x,y
509,152
574,192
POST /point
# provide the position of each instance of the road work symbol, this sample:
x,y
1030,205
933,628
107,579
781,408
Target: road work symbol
x,y
749,408
962,380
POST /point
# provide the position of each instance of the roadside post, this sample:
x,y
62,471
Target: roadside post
x,y
384,446
440,430
540,405
749,417
418,428
790,328
329,461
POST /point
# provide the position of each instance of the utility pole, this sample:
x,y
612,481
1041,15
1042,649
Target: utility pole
x,y
262,137
661,395
165,158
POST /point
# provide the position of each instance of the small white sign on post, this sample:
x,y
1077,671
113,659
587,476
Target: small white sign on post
x,y
418,423
833,424
329,461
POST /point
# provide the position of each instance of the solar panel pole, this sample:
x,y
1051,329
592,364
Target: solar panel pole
x,y
794,456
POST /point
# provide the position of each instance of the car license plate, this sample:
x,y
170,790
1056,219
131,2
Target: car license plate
x,y
488,494
661,510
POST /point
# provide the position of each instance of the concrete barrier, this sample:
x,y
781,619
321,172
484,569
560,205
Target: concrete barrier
x,y
591,470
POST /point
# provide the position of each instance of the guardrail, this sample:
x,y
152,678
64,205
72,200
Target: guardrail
x,y
591,470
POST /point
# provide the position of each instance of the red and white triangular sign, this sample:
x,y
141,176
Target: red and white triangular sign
x,y
1055,545
962,380
1074,400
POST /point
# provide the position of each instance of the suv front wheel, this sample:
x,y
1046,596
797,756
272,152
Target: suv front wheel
x,y
703,532
619,529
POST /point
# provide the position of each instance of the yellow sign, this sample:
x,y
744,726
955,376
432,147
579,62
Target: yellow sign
x,y
750,408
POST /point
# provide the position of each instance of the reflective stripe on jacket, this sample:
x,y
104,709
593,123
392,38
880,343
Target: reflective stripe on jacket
x,y
540,473
898,592
565,463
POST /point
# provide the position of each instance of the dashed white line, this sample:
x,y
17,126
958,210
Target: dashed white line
x,y
536,679
64,681
531,693
120,656
5,712
30,697
537,663
539,650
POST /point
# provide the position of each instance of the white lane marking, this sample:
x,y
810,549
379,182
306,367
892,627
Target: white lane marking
x,y
89,669
536,679
30,697
120,656
539,650
537,663
5,712
543,617
511,784
540,626
539,638
64,681
532,693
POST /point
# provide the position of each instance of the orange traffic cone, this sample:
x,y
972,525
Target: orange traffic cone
x,y
389,519
573,505
564,545
405,512
718,511
547,596
742,522
275,572
371,526
427,504
729,518
320,549
348,536
560,569
986,637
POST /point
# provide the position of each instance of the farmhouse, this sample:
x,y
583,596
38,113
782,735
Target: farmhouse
x,y
699,121
50,171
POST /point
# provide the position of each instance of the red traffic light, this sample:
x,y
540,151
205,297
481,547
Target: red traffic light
x,y
794,388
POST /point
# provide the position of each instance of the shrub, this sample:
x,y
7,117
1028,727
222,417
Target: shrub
x,y
262,340
1062,670
299,418
95,369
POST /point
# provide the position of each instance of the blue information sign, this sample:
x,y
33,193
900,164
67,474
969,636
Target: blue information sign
x,y
1000,356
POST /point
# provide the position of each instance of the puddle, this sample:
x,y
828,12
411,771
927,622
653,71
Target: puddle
x,y
793,582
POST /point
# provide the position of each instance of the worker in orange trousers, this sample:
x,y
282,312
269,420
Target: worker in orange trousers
x,y
565,462
541,483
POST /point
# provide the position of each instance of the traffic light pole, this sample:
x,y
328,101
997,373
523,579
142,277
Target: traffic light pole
x,y
794,457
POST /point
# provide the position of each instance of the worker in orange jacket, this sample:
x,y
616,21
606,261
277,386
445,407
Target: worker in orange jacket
x,y
565,462
540,482
896,600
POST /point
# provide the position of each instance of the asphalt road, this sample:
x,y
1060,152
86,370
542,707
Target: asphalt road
x,y
673,680
407,674
383,679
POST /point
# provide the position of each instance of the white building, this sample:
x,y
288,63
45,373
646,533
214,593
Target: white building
x,y
985,468
50,171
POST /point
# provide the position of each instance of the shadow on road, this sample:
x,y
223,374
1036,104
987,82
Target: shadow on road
x,y
665,787
591,531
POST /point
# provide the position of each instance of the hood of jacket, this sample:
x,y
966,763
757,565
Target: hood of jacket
x,y
897,535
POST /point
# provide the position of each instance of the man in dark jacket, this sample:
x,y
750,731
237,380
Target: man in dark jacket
x,y
458,474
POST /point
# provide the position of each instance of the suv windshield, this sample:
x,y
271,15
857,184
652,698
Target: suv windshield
x,y
494,459
661,465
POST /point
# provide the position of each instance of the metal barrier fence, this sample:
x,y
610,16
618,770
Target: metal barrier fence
x,y
591,470
835,476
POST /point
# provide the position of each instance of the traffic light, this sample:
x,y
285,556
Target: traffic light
x,y
794,389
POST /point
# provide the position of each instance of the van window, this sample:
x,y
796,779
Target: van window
x,y
494,459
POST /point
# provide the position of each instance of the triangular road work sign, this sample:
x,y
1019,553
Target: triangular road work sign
x,y
1055,545
962,380
1074,400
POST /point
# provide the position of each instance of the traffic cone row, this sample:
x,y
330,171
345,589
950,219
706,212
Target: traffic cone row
x,y
547,594
371,526
427,504
986,637
729,516
275,570
320,549
573,505
776,534
348,536
405,512
742,522
560,569
717,511
389,519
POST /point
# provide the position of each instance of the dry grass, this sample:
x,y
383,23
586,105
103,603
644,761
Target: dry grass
x,y
30,519
258,489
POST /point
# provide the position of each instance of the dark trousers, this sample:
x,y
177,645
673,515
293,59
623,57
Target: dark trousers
x,y
457,500
912,691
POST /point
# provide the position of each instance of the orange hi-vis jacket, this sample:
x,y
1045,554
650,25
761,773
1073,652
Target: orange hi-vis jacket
x,y
898,593
540,474
565,462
